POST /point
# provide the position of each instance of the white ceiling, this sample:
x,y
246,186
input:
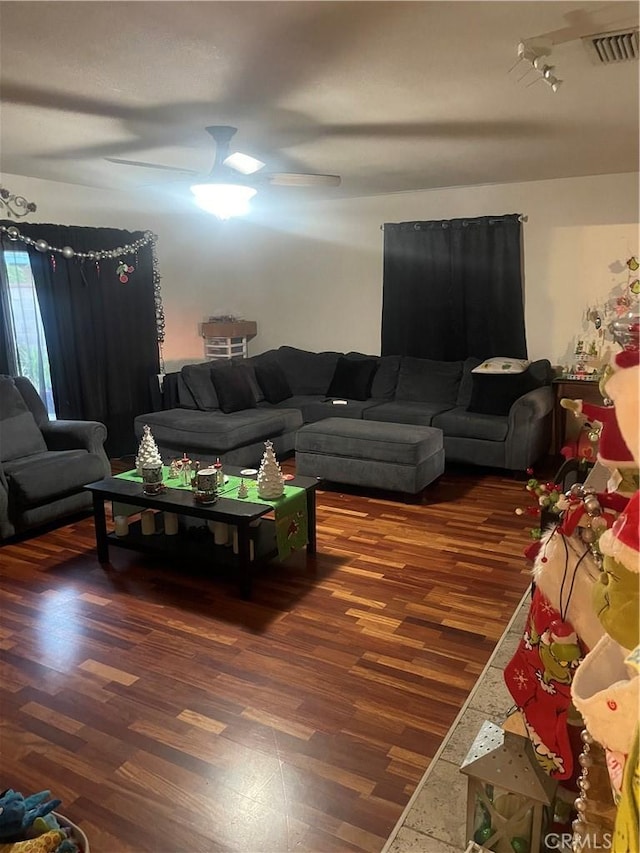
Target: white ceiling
x,y
392,96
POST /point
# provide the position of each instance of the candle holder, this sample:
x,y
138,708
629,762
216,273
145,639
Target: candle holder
x,y
206,491
152,479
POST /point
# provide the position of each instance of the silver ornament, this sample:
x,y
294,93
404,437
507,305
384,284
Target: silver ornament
x,y
67,252
41,246
90,255
592,505
585,736
580,804
584,784
588,535
585,761
13,233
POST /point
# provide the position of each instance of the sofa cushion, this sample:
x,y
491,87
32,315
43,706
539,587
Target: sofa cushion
x,y
307,372
273,382
315,408
426,380
466,382
232,388
250,370
494,394
214,431
398,412
461,423
352,378
19,433
197,378
43,477
385,378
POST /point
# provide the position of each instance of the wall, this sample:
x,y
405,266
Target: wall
x,y
312,275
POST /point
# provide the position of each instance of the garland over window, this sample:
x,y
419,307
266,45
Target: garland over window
x,y
122,268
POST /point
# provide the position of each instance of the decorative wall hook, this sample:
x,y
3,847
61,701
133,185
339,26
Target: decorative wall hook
x,y
15,206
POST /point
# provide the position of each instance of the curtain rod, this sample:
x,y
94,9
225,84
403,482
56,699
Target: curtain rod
x,y
521,218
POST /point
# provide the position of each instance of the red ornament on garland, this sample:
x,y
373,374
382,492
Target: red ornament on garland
x,y
122,270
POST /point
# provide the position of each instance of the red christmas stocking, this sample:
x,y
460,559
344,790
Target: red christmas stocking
x,y
539,677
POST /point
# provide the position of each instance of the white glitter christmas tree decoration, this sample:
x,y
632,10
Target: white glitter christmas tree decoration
x,y
270,479
148,455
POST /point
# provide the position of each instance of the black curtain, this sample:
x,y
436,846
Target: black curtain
x,y
453,289
101,334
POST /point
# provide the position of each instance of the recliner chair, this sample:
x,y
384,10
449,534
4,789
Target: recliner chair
x,y
43,464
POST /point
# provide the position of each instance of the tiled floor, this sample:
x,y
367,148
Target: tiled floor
x,y
434,820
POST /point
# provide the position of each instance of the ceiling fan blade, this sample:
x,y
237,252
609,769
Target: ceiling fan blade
x,y
139,163
293,179
243,163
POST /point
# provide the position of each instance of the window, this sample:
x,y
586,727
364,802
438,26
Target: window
x,y
26,342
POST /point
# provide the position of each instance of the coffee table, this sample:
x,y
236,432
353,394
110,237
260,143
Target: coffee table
x,y
233,511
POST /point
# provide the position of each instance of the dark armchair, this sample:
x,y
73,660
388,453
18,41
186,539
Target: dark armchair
x,y
43,464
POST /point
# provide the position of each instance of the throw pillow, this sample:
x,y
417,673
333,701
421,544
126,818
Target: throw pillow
x,y
233,389
197,378
493,394
272,380
424,380
353,378
502,365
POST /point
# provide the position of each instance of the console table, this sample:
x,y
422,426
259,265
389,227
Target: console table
x,y
232,511
575,389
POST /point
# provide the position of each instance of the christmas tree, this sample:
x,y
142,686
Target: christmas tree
x,y
270,479
148,455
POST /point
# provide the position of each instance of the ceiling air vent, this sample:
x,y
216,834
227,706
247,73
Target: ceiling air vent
x,y
608,48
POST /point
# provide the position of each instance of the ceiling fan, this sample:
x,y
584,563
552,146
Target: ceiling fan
x,y
228,187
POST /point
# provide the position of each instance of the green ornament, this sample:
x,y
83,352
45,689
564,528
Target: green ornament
x,y
482,835
520,845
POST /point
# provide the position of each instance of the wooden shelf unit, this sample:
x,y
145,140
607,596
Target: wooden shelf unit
x,y
227,340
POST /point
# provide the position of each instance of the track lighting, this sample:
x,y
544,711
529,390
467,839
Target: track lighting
x,y
536,59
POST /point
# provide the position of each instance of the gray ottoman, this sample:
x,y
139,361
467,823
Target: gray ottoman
x,y
398,457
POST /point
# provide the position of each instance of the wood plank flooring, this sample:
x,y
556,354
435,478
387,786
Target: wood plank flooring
x,y
169,715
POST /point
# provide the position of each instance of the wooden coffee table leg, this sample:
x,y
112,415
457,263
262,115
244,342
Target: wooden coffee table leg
x,y
311,521
100,521
244,554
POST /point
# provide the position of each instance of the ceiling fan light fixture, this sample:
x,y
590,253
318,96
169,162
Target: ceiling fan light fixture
x,y
222,199
243,163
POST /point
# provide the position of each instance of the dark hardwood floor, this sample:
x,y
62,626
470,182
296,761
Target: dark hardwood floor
x,y
170,715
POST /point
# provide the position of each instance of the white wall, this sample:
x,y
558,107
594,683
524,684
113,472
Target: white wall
x,y
312,275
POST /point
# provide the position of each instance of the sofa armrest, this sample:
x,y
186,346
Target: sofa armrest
x,y
73,435
535,404
529,433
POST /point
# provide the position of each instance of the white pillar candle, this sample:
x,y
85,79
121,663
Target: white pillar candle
x,y
236,547
121,525
170,523
220,532
148,522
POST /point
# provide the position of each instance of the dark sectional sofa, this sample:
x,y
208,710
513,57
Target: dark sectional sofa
x,y
208,411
